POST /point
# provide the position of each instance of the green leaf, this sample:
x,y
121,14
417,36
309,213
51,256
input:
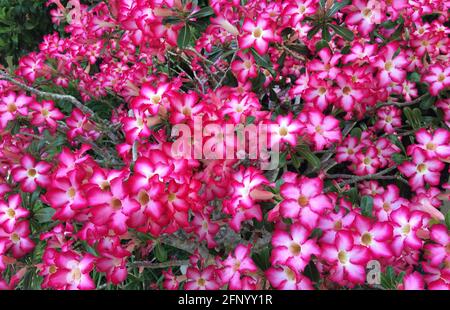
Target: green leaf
x,y
250,119
344,32
399,158
305,152
312,272
263,61
322,44
447,220
367,206
352,195
427,102
184,37
326,34
295,161
337,6
44,215
316,233
204,12
160,253
312,32
262,259
356,132
414,77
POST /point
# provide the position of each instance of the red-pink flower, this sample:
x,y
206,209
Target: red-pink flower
x,y
438,78
72,272
293,248
304,200
18,239
205,279
437,252
285,278
31,174
406,224
235,266
13,105
45,113
436,144
376,237
322,129
421,170
11,211
244,68
348,260
257,34
112,207
391,67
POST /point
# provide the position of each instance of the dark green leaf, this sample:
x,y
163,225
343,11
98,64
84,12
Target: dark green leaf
x,y
263,61
305,152
204,12
447,219
337,6
399,158
160,253
44,215
344,32
326,34
312,32
367,206
322,44
184,37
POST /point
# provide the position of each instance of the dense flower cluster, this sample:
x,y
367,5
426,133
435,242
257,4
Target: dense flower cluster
x,y
355,95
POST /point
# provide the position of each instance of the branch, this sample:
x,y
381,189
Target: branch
x,y
73,100
355,179
147,264
402,104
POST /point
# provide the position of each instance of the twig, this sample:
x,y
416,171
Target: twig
x,y
151,265
402,104
73,100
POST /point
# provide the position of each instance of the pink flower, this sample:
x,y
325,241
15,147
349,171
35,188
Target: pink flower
x,y
234,266
72,272
326,67
113,207
17,239
257,34
304,200
11,212
286,278
413,281
436,144
421,169
437,252
389,118
293,248
438,78
13,105
244,68
365,14
376,237
406,225
322,129
151,98
391,67
387,202
114,264
285,130
201,279
348,260
31,174
45,113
